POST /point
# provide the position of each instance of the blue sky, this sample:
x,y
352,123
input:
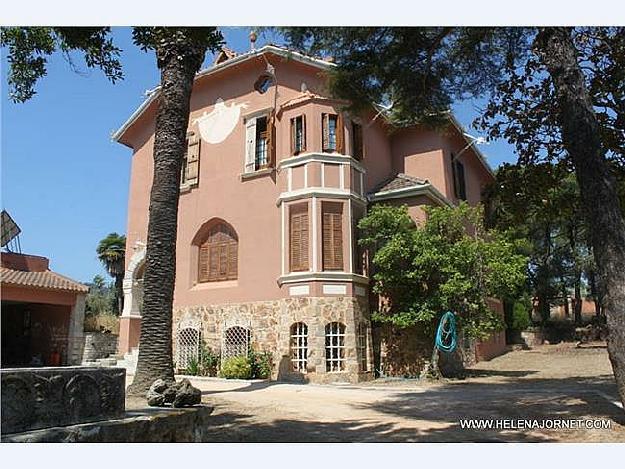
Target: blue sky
x,y
64,181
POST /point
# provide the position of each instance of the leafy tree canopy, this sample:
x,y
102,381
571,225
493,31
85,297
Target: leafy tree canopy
x,y
452,262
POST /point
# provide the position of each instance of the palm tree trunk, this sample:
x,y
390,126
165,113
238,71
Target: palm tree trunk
x,y
581,139
119,292
178,61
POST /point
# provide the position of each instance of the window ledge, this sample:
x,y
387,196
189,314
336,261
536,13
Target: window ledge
x,y
257,174
215,285
184,188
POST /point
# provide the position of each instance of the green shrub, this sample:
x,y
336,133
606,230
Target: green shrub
x,y
193,367
236,368
209,361
520,316
260,363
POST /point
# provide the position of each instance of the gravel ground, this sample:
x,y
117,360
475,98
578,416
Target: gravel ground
x,y
547,382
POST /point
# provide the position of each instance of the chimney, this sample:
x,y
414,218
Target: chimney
x,y
253,38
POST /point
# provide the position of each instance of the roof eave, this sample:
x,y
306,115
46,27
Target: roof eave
x,y
427,190
476,150
322,64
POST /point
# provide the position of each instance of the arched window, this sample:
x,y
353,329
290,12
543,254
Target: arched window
x,y
187,347
218,254
335,346
299,346
236,342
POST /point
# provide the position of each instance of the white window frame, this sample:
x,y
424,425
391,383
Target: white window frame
x,y
250,138
335,347
299,347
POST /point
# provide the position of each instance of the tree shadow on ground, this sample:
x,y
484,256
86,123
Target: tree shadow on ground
x,y
434,414
479,373
249,387
235,427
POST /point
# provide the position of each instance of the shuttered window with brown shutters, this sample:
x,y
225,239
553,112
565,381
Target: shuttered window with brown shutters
x,y
191,161
333,136
332,234
298,135
298,237
218,256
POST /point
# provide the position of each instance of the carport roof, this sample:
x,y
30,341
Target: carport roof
x,y
46,279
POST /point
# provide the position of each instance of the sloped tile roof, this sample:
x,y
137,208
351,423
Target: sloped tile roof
x,y
47,279
399,181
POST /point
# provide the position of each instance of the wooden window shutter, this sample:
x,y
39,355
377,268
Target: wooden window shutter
x,y
203,269
340,134
293,134
325,131
303,133
218,256
298,238
233,260
192,170
332,236
250,145
271,140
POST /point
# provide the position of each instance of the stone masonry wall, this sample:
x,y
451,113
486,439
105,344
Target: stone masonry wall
x,y
270,323
99,345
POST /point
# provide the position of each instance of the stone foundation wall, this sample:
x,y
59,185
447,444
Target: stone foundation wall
x,y
99,345
270,324
406,352
402,352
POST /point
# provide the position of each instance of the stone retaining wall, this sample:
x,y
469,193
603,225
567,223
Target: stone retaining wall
x,y
270,323
34,398
99,345
140,426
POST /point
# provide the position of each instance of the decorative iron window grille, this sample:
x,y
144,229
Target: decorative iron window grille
x,y
335,346
299,347
187,344
236,342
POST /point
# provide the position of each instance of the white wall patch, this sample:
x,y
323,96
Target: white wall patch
x,y
335,289
299,290
216,125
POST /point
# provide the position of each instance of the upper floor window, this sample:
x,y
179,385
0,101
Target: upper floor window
x,y
298,134
189,172
260,154
259,148
264,82
332,235
218,254
298,237
357,146
332,133
457,171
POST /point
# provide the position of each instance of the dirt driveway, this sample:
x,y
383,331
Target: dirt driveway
x,y
547,382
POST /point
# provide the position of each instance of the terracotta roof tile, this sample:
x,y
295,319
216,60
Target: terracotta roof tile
x,y
399,181
47,279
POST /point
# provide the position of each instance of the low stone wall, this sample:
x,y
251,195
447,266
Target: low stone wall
x,y
139,426
99,345
34,398
270,325
532,338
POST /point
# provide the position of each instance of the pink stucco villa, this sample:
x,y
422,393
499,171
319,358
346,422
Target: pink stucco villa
x,y
275,179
